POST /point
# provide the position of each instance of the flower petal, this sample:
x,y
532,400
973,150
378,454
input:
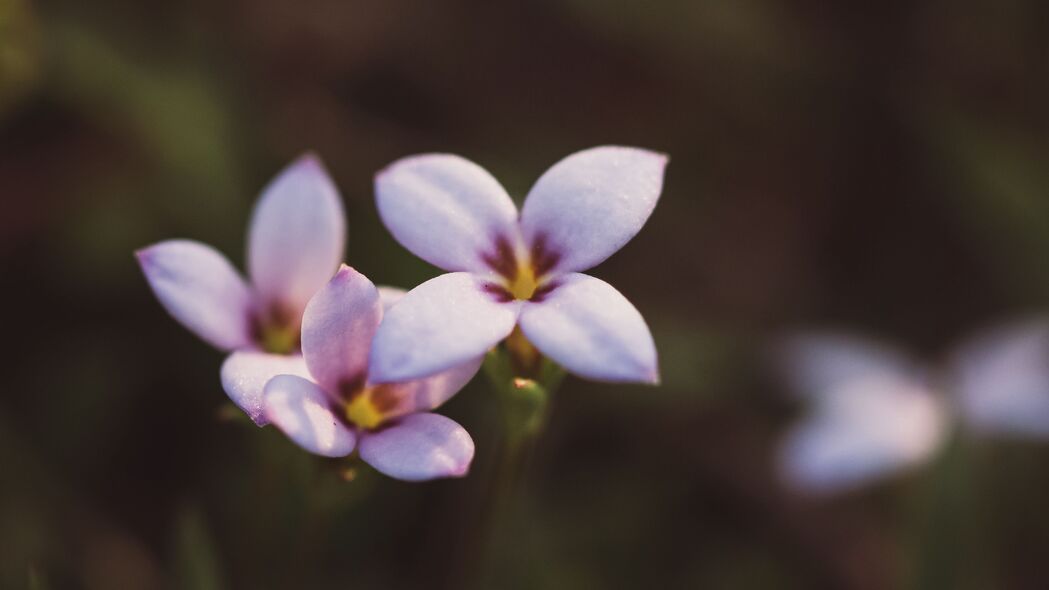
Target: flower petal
x,y
419,447
869,429
588,205
337,329
442,323
592,330
296,237
1003,379
302,410
244,375
445,209
429,393
200,288
816,364
389,296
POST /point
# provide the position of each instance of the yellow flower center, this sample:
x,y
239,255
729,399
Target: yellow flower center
x,y
278,339
362,411
524,284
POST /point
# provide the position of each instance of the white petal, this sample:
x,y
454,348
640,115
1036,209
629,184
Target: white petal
x,y
201,289
1002,378
418,447
870,429
588,327
296,237
588,205
244,375
429,393
445,209
303,411
337,329
443,323
816,364
390,296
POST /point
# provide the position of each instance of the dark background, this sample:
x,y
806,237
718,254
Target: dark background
x,y
877,166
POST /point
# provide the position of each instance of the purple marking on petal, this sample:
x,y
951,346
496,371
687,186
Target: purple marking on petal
x,y
502,260
544,257
543,291
498,292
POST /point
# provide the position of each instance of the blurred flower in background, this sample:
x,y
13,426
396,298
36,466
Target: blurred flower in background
x,y
876,412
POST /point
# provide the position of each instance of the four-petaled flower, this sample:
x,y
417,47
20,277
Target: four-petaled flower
x,y
339,409
295,244
510,270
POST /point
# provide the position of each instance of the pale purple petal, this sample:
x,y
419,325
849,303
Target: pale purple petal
x,y
1002,379
868,429
389,296
201,289
589,328
588,205
816,364
244,375
443,323
303,411
445,209
337,329
418,447
429,393
296,237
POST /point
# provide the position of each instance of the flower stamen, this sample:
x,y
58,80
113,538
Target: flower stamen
x,y
524,284
362,410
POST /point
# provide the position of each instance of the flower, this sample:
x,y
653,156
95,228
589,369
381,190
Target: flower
x,y
878,413
338,408
295,243
518,274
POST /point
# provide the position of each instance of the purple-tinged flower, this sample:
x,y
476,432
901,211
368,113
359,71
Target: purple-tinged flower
x,y
518,271
295,243
878,412
338,408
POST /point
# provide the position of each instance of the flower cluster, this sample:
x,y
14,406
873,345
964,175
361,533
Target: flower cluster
x,y
342,366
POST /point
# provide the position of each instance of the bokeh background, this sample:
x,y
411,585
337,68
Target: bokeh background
x,y
877,166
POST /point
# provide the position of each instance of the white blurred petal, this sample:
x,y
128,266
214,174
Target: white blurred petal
x,y
868,430
1002,380
815,364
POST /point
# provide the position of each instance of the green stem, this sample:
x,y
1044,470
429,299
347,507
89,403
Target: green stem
x,y
523,406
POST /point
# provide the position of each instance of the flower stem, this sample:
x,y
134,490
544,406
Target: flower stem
x,y
523,405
